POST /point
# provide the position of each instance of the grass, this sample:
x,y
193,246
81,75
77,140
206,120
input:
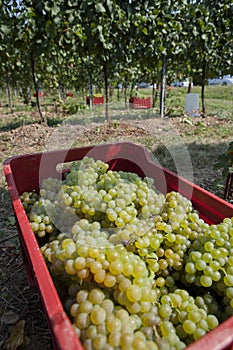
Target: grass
x,y
16,122
218,101
73,111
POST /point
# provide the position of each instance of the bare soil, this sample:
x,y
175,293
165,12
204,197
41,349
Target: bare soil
x,y
20,305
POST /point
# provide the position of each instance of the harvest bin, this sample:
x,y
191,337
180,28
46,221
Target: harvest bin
x,y
96,100
26,172
138,103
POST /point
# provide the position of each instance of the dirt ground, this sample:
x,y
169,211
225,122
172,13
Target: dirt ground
x,y
23,324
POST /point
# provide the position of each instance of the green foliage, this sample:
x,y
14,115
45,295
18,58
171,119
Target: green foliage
x,y
54,121
175,103
17,122
73,107
76,44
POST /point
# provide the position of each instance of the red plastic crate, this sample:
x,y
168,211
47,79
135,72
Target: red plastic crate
x,y
26,172
95,100
136,102
39,94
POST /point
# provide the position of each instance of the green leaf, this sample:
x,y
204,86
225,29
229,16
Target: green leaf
x,y
145,31
5,29
55,10
100,8
49,68
162,49
100,28
109,4
201,124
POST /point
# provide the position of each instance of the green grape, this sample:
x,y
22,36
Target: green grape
x,y
134,293
69,267
198,333
75,310
190,268
189,326
207,257
86,306
99,341
80,263
82,320
91,332
109,280
116,267
195,316
206,281
82,295
229,292
212,321
165,311
98,315
96,296
114,324
108,306
124,255
114,339
200,265
228,280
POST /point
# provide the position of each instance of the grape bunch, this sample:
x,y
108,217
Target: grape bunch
x,y
209,262
112,279
125,258
41,222
112,198
28,199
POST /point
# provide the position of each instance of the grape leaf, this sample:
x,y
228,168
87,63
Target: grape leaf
x,y
100,8
17,337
